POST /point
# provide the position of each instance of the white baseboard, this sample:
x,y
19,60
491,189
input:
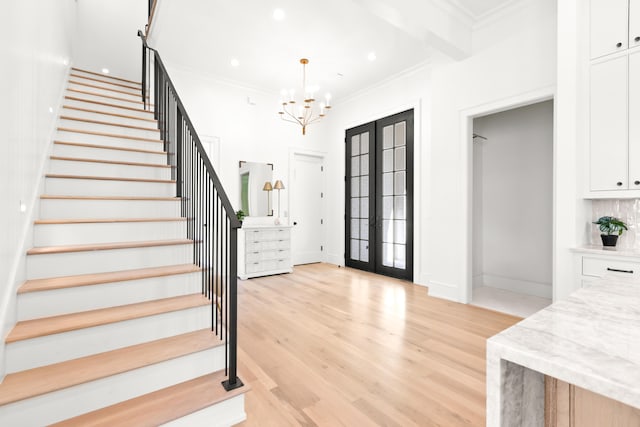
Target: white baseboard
x,y
444,291
536,289
334,259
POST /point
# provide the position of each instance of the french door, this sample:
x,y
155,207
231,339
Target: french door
x,y
379,196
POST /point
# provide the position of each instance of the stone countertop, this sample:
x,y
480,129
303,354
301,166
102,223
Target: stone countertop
x,y
591,340
600,250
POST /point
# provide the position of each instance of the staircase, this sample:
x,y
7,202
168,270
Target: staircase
x,y
112,327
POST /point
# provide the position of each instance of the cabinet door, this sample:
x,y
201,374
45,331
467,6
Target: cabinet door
x,y
609,133
609,26
634,121
634,23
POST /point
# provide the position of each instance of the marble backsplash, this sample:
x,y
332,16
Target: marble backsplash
x,y
627,210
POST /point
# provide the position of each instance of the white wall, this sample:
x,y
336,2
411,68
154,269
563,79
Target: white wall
x,y
106,36
518,62
35,46
515,192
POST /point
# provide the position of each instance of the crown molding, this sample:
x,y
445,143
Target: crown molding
x,y
499,12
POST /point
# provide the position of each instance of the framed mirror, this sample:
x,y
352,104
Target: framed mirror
x,y
255,194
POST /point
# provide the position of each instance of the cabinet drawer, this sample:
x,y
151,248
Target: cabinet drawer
x,y
267,255
599,267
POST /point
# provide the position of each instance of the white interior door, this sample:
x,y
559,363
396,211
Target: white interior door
x,y
307,208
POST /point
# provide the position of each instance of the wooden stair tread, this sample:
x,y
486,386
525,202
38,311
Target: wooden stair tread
x,y
106,220
106,104
137,91
107,147
37,381
28,329
101,95
100,122
93,79
43,250
124,116
110,135
144,198
52,283
111,162
106,76
109,178
161,406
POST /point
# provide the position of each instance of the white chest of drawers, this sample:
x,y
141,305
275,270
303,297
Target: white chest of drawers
x,y
264,250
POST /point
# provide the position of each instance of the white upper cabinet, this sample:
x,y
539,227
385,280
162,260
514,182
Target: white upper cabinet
x,y
609,125
610,26
634,23
634,121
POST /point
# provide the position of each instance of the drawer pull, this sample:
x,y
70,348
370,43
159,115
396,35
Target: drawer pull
x,y
619,271
256,263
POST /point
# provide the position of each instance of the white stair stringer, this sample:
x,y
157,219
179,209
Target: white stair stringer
x,y
55,348
99,261
69,402
58,207
55,302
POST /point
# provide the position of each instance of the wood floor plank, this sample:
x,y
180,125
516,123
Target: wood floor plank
x,y
335,346
28,329
38,381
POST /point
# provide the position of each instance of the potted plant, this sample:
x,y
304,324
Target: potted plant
x,y
613,227
240,214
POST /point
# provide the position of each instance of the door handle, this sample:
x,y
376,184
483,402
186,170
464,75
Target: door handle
x,y
295,223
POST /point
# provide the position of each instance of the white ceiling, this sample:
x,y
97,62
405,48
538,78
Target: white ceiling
x,y
335,35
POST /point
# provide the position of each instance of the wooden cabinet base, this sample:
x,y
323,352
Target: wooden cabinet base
x,y
569,406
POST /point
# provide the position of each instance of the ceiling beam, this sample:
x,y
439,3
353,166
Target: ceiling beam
x,y
430,21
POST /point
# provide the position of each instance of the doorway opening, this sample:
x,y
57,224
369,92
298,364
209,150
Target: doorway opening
x,y
512,209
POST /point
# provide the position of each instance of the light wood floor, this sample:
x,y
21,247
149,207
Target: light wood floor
x,y
330,346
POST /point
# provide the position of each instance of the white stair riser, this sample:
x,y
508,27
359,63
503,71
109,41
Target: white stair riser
x,y
41,351
98,187
64,150
109,141
75,74
72,112
73,401
111,99
68,167
107,232
226,413
33,305
86,262
103,90
115,129
105,83
133,111
68,208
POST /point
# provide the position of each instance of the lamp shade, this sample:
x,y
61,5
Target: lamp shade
x,y
278,185
267,186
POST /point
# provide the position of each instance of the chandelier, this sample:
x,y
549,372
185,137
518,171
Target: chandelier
x,y
306,111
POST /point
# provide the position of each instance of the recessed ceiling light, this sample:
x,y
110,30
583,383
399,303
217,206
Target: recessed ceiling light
x,y
235,62
371,56
278,14
105,70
